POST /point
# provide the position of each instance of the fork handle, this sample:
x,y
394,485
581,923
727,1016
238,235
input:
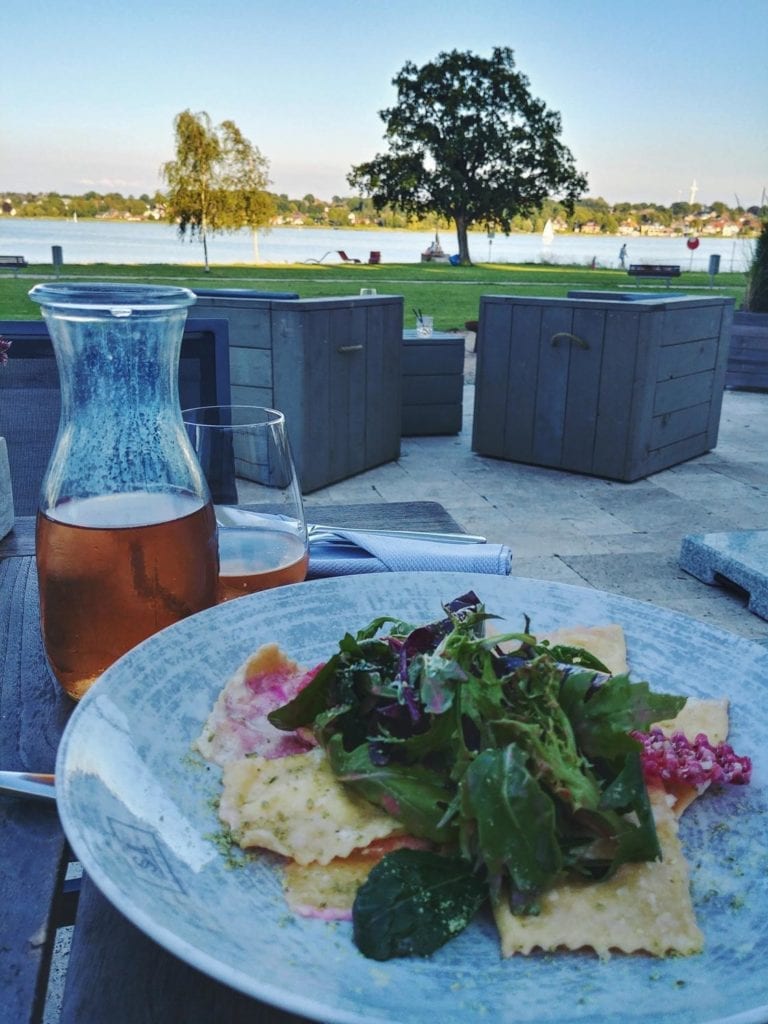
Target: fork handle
x,y
34,784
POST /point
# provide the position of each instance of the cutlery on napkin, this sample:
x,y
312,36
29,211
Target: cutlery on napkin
x,y
351,552
335,551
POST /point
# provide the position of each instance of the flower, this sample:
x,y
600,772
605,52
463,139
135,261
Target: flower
x,y
5,344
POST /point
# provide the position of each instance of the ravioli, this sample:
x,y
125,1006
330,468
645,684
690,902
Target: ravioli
x,y
329,890
605,642
296,806
238,724
644,907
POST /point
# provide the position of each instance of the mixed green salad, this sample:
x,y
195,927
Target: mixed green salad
x,y
515,767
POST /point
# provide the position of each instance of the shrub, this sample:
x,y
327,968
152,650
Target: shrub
x,y
756,297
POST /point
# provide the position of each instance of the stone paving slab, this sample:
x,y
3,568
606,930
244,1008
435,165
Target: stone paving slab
x,y
621,537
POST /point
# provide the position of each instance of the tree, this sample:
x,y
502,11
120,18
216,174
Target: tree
x,y
217,181
468,142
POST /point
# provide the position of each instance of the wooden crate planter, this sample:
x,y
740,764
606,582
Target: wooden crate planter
x,y
748,354
433,383
615,389
332,366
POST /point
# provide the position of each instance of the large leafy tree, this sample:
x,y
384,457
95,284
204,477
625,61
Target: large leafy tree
x,y
468,142
217,181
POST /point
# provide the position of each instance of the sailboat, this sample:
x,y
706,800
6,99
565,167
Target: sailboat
x,y
548,234
434,251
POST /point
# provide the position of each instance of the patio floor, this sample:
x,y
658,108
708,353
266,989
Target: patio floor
x,y
620,537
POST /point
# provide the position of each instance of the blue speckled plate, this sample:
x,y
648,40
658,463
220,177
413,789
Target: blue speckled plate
x,y
137,809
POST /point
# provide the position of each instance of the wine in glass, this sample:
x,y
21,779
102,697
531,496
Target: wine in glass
x,y
246,457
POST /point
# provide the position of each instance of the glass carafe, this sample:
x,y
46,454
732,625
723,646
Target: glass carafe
x,y
126,532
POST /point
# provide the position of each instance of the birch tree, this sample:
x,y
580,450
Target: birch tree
x,y
217,182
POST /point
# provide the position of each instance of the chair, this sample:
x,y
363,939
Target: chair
x,y
346,259
375,256
30,399
312,260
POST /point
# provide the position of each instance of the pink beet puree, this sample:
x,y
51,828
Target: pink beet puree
x,y
247,710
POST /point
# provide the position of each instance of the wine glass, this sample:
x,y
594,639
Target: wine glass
x,y
246,457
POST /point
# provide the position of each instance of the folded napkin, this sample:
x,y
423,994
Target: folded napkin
x,y
385,553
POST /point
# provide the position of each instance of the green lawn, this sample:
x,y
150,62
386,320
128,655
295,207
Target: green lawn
x,y
450,294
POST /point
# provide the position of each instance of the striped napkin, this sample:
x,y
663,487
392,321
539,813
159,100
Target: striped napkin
x,y
385,553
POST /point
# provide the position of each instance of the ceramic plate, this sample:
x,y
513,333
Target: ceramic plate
x,y
137,809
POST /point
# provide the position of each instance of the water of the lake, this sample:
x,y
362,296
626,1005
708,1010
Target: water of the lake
x,y
149,242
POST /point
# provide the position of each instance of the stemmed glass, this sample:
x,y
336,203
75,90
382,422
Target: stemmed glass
x,y
246,457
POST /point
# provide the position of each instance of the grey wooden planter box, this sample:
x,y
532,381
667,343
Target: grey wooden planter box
x,y
748,355
433,383
332,366
616,389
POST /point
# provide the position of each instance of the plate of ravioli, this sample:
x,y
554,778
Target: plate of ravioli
x,y
421,796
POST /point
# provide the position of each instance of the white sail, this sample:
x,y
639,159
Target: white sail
x,y
548,234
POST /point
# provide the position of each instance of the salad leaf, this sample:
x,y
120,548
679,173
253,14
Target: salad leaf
x,y
602,717
513,825
626,793
437,680
413,902
309,702
567,655
399,627
412,793
536,720
360,668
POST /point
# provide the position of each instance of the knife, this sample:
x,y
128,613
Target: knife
x,y
318,531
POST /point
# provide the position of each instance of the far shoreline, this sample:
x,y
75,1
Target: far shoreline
x,y
379,228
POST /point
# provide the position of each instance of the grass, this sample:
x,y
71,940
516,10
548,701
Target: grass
x,y
450,294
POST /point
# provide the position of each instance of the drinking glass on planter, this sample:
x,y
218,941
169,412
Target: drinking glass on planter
x,y
246,457
126,533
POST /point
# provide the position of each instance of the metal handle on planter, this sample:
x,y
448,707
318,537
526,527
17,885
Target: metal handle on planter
x,y
569,337
350,348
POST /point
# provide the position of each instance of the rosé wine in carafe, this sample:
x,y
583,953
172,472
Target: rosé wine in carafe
x,y
126,532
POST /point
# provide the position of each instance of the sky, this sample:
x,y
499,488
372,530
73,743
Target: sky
x,y
654,96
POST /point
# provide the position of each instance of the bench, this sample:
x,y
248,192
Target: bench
x,y
12,263
663,271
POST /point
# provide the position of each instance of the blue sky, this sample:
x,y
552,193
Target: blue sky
x,y
653,95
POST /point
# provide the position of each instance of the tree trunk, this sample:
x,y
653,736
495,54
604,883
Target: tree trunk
x,y
461,236
255,245
205,251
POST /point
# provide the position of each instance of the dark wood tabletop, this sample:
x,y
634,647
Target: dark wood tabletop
x,y
113,972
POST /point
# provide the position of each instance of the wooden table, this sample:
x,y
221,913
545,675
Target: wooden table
x,y
114,972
